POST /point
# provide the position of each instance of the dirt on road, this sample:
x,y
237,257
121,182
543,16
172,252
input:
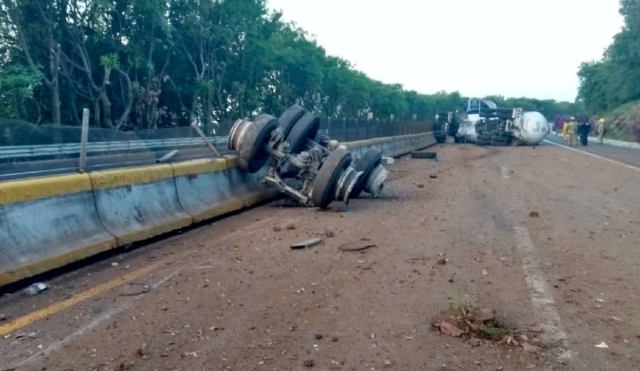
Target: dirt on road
x,y
542,238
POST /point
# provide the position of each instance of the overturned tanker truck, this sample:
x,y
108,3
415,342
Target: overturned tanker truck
x,y
311,169
483,123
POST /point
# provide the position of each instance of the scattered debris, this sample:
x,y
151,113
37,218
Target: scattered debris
x,y
534,214
277,228
3,317
423,154
530,348
291,226
387,160
135,289
433,176
114,264
442,261
361,245
334,339
475,342
317,336
449,329
484,272
309,363
36,288
602,345
420,185
307,243
328,232
167,157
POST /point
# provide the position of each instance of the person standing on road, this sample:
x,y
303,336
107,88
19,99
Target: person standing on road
x,y
572,126
601,130
585,129
565,131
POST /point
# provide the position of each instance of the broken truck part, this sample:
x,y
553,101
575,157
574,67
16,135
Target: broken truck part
x,y
312,172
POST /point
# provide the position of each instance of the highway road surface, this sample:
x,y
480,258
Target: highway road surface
x,y
31,169
545,239
626,155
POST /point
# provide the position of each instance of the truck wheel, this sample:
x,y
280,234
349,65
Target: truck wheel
x,y
324,187
290,117
304,129
371,158
249,138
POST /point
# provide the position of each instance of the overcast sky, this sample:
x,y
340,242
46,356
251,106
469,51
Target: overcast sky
x,y
478,47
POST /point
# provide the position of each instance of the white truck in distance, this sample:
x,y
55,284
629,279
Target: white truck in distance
x,y
483,123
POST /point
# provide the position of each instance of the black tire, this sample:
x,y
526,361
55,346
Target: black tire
x,y
369,161
252,154
290,117
324,187
305,128
483,139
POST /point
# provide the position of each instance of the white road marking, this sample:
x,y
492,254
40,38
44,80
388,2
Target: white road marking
x,y
594,155
505,172
544,305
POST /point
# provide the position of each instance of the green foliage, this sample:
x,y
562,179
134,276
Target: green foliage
x,y
17,84
148,63
611,82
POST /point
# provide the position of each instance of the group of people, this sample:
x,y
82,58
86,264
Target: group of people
x,y
571,129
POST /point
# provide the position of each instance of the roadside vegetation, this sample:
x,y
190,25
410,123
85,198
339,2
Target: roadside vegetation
x,y
163,63
609,88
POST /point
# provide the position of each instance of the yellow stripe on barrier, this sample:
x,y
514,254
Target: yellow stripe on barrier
x,y
232,161
33,189
199,166
123,177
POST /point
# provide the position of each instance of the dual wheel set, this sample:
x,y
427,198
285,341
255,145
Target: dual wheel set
x,y
324,171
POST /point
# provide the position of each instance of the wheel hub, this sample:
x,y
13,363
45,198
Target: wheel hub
x,y
346,183
375,183
237,133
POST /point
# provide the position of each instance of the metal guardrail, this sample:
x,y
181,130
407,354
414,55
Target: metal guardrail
x,y
10,152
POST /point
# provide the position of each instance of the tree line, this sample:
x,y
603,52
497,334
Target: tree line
x,y
612,81
146,64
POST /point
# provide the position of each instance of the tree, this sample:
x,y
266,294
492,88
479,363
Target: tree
x,y
146,64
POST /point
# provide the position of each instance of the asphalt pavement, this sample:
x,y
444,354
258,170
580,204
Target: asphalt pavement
x,y
625,155
32,169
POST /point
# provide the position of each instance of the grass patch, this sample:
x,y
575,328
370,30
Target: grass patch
x,y
465,318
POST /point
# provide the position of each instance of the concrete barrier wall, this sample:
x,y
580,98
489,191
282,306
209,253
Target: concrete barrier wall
x,y
47,223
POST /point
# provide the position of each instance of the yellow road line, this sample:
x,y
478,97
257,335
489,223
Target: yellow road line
x,y
52,309
62,305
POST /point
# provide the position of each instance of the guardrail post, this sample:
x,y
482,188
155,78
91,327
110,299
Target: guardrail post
x,y
213,149
344,129
84,136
